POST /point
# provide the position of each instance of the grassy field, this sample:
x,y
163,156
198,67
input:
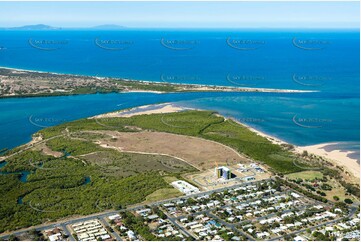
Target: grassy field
x,y
305,175
162,194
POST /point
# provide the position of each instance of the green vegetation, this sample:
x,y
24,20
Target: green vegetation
x,y
303,191
137,224
60,187
114,163
162,194
305,175
140,226
26,161
203,124
90,178
73,147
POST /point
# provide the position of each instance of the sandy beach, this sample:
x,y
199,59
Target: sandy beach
x,y
335,156
338,157
147,109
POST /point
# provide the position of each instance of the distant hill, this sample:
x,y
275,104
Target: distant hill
x,y
48,27
33,27
108,27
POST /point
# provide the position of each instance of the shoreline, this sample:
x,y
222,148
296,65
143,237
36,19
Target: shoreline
x,y
335,156
187,87
145,109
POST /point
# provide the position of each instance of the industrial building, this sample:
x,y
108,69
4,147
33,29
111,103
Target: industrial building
x,y
223,172
185,187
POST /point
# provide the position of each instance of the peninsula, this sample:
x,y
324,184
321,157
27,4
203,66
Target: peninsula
x,y
24,83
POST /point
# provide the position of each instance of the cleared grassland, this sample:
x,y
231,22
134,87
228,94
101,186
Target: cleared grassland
x,y
200,153
162,194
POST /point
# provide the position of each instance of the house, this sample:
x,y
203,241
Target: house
x,y
55,237
299,238
337,210
285,215
182,220
295,195
143,212
153,216
113,217
131,235
262,235
168,205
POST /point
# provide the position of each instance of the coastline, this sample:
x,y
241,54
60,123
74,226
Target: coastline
x,y
335,156
141,110
179,87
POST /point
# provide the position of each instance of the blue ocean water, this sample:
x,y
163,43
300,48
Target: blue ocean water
x,y
322,60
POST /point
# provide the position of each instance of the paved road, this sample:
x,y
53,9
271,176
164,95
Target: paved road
x,y
67,232
232,226
115,234
173,221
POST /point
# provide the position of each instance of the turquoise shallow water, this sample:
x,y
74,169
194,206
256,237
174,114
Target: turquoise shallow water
x,y
271,113
327,61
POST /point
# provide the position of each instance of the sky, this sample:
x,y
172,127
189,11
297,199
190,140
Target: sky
x,y
183,14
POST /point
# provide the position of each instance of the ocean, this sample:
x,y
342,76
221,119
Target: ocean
x,y
326,61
